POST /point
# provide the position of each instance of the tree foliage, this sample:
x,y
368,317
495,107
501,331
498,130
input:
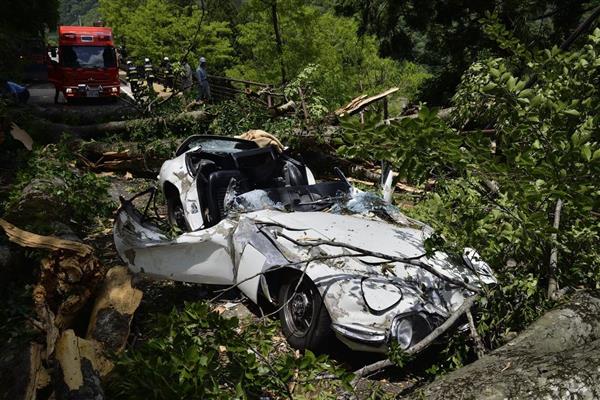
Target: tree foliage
x,y
74,11
447,35
497,190
159,28
312,34
240,40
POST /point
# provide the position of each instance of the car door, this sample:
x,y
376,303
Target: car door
x,y
192,206
202,256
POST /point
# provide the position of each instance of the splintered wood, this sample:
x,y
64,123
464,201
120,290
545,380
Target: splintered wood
x,y
115,304
69,276
32,240
363,101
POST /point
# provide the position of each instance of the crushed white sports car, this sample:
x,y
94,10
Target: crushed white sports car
x,y
330,258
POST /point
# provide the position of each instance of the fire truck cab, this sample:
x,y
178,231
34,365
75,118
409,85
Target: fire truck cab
x,y
87,65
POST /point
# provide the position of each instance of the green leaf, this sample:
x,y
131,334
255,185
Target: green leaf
x,y
586,152
572,112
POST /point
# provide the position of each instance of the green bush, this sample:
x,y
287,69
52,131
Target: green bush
x,y
196,353
497,190
79,197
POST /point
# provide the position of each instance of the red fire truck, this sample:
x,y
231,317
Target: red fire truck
x,y
87,63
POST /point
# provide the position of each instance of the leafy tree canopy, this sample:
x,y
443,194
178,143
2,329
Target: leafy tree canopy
x,y
74,11
158,28
448,36
347,64
497,189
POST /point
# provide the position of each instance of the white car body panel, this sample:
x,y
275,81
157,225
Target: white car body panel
x,y
199,257
358,296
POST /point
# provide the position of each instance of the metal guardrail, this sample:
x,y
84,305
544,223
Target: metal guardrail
x,y
223,88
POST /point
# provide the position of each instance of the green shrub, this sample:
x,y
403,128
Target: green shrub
x,y
196,353
497,190
74,197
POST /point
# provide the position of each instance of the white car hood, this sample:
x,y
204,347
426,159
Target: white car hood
x,y
376,236
367,233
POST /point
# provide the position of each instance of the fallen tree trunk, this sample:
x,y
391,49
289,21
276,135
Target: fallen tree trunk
x,y
23,372
556,357
52,131
113,310
79,365
126,156
61,114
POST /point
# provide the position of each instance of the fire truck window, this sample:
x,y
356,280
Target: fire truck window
x,y
88,57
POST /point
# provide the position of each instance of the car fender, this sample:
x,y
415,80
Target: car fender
x,y
175,172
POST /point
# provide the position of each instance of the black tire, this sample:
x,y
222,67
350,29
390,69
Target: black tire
x,y
176,213
305,321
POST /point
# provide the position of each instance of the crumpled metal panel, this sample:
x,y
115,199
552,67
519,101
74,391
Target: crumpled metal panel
x,y
363,294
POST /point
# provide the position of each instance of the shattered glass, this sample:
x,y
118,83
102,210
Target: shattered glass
x,y
370,204
254,200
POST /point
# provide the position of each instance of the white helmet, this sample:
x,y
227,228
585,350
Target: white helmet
x,y
146,60
166,59
202,60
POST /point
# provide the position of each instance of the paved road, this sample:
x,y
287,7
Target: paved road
x,y
85,111
42,94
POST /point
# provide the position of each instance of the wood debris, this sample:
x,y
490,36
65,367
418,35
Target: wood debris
x,y
363,101
32,240
115,304
22,136
68,278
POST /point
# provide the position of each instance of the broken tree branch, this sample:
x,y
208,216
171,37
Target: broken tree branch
x,y
32,240
361,102
423,344
405,260
552,282
479,347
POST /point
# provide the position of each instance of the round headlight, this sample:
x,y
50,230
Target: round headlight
x,y
403,332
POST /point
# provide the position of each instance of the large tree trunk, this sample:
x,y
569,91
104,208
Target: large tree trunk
x,y
556,357
21,371
278,40
115,304
50,131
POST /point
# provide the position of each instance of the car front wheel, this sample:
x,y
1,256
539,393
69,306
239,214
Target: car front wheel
x,y
304,319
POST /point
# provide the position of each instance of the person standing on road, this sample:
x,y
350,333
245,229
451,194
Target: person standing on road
x,y
187,81
203,86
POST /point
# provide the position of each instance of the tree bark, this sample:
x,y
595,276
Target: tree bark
x,y
21,371
113,310
556,357
278,41
552,282
52,131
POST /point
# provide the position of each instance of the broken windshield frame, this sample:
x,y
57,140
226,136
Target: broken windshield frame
x,y
216,144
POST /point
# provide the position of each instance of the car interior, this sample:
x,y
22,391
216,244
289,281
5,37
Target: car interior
x,y
216,161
